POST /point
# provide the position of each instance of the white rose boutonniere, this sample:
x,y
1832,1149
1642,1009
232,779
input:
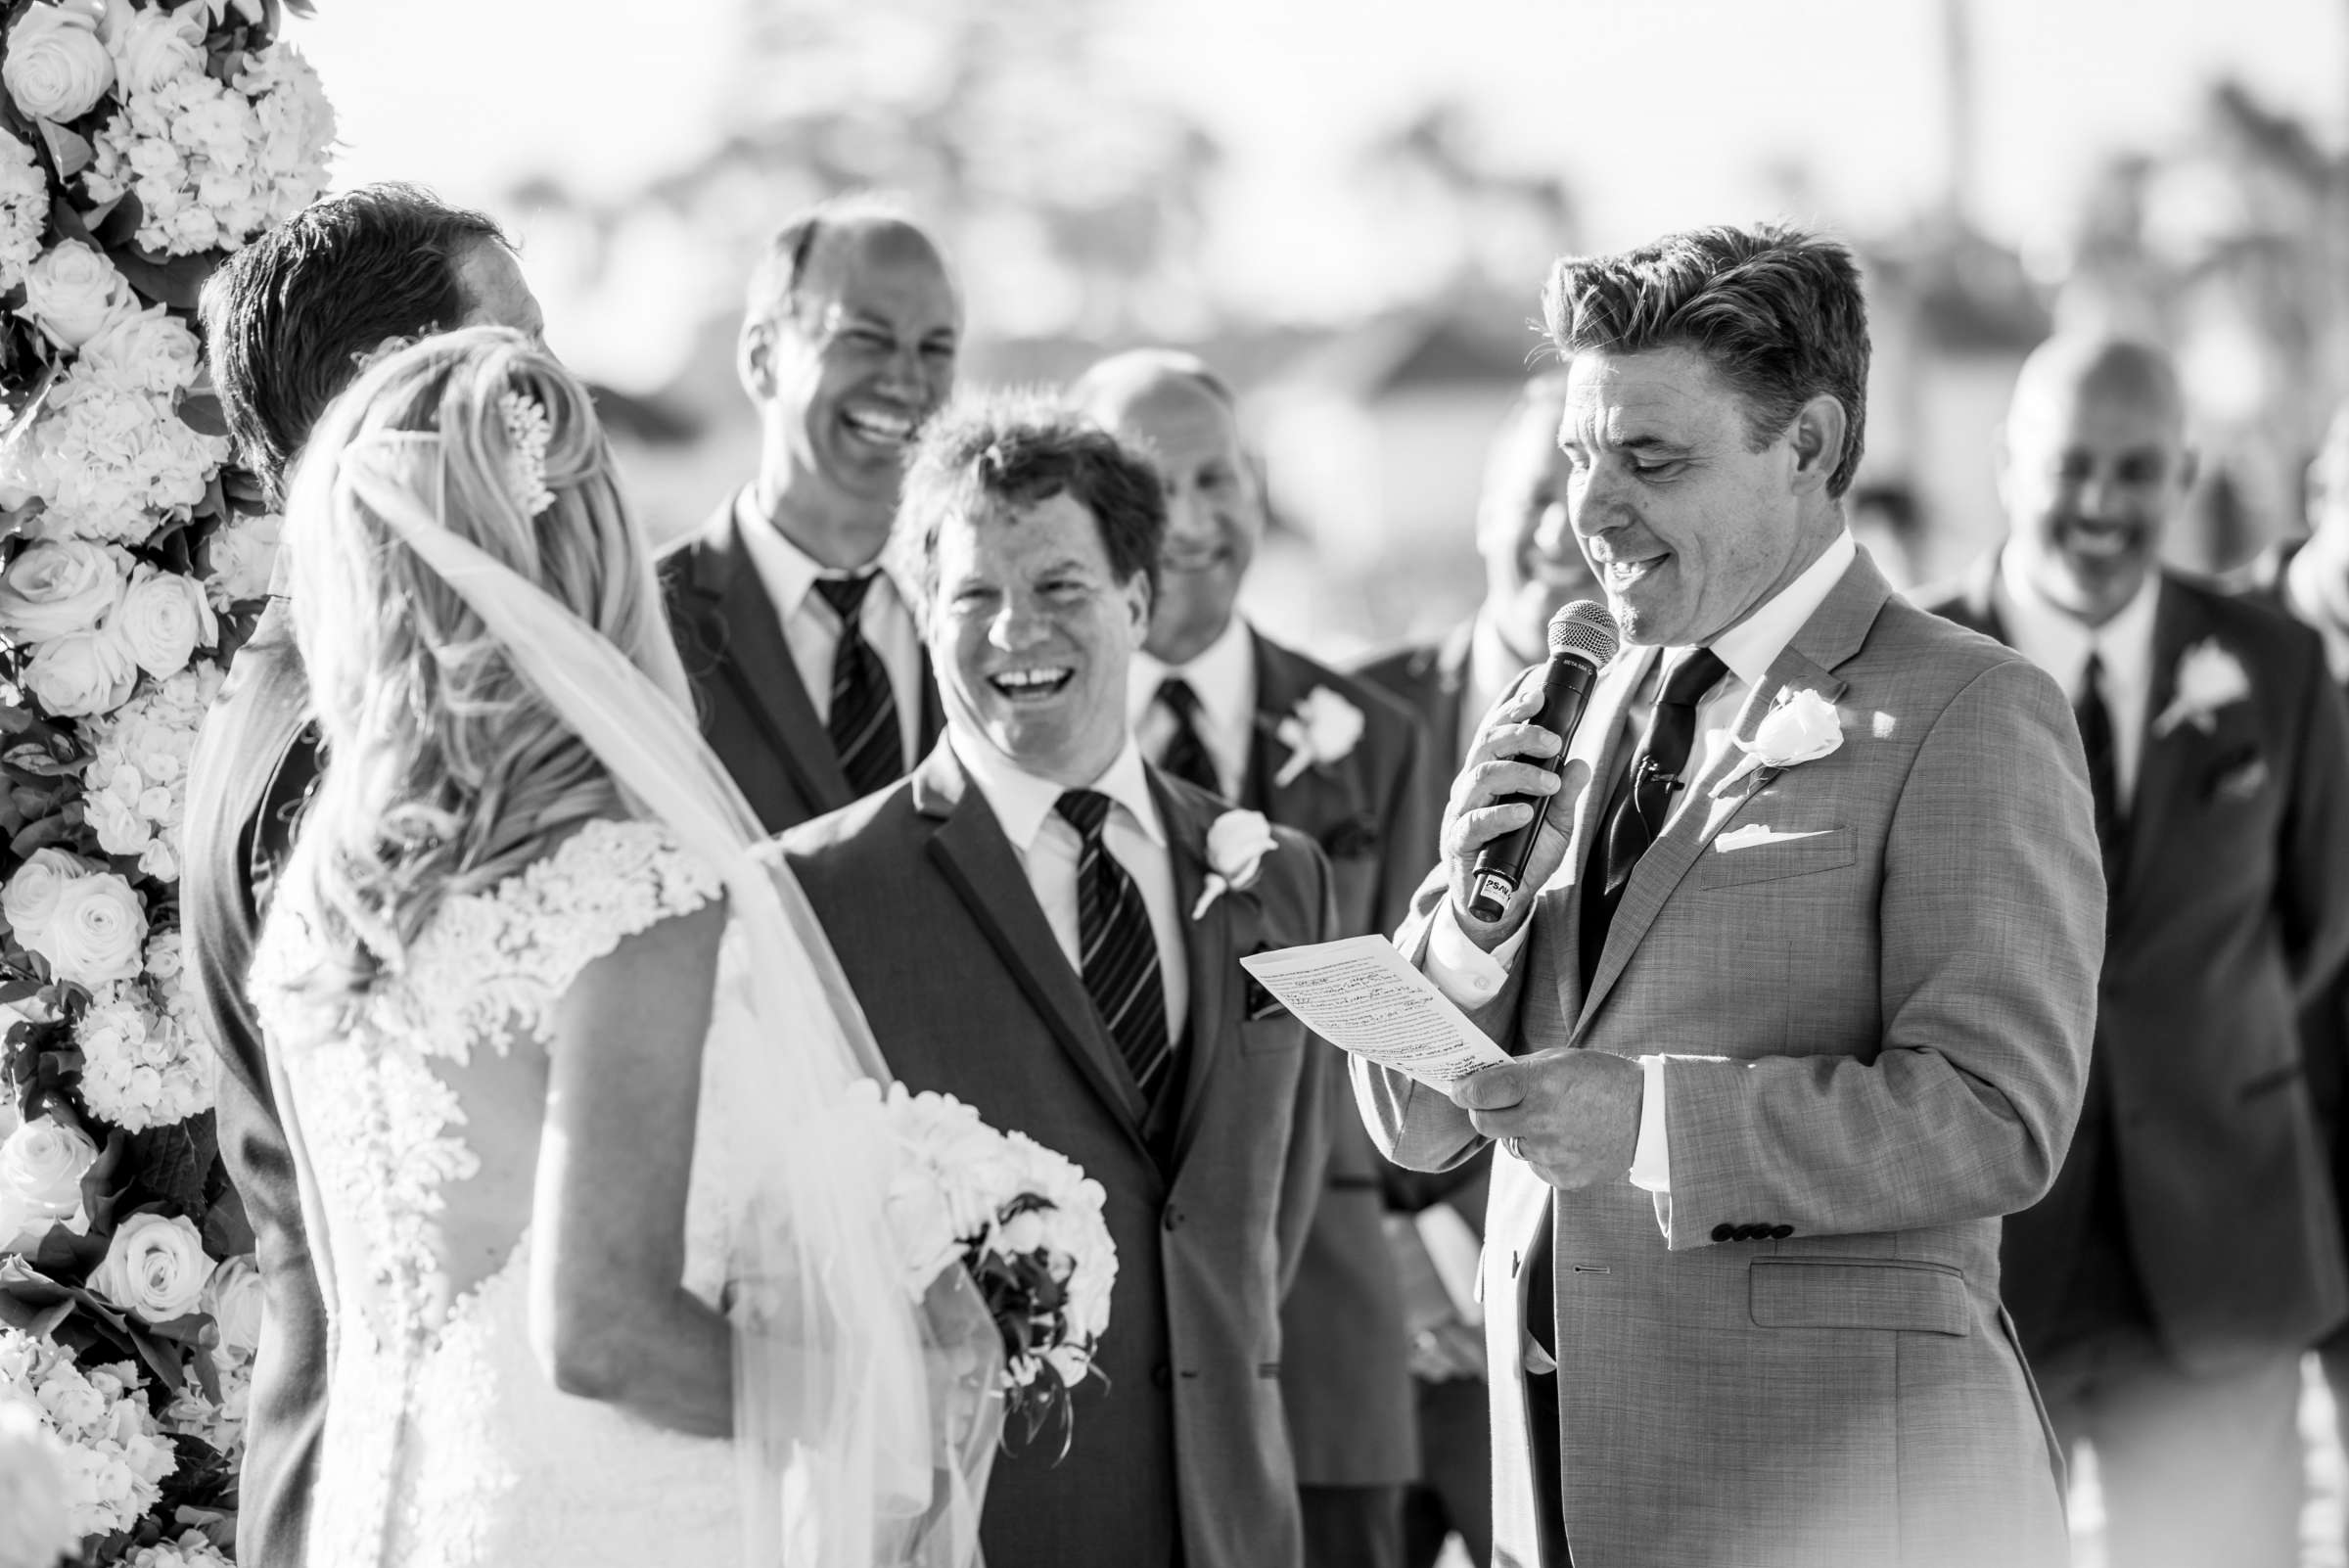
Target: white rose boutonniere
x,y
1236,846
2209,679
1323,728
1801,727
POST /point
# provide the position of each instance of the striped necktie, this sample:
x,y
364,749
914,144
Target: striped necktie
x,y
1120,951
863,722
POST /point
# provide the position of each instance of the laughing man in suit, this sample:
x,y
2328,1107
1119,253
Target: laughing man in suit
x,y
1029,925
2189,1251
1217,702
808,670
1802,992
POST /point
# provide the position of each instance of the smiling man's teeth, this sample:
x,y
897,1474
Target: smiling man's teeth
x,y
1020,682
875,425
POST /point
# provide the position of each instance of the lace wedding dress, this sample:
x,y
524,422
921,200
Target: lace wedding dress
x,y
445,1442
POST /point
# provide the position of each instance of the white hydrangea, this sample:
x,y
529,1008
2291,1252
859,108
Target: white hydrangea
x,y
23,210
221,1426
242,559
141,1067
214,163
115,1457
109,459
193,1549
136,783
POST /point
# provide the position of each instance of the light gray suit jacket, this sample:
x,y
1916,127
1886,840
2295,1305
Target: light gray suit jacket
x,y
1798,1356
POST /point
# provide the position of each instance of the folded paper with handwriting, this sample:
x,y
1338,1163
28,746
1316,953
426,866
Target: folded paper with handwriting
x,y
1363,996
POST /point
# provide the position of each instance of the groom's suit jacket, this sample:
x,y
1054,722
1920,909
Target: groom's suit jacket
x,y
1346,1374
251,755
747,692
1180,1455
1876,974
2231,912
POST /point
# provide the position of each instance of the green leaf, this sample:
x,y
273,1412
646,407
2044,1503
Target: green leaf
x,y
69,149
118,223
201,414
176,281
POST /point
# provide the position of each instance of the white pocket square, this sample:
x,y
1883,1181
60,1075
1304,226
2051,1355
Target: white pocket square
x,y
1760,833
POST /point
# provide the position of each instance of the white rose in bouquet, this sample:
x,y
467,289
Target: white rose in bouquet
x,y
55,586
149,48
41,1167
82,674
233,1297
242,556
164,958
24,208
36,1528
73,293
161,619
28,902
98,931
147,351
56,67
155,1266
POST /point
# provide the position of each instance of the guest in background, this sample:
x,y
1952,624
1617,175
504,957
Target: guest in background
x,y
1887,523
288,322
2189,1250
1218,704
808,672
1025,924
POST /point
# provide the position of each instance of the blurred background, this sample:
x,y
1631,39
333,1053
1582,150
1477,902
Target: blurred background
x,y
1347,206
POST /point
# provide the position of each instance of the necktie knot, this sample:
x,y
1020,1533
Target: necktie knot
x,y
1176,692
2092,679
1085,810
1686,682
846,595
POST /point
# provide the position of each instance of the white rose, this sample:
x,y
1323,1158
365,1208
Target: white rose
x,y
56,67
29,901
151,351
1237,843
233,1297
161,618
56,587
82,674
154,1266
41,1167
1801,727
36,1523
152,47
242,557
72,293
97,932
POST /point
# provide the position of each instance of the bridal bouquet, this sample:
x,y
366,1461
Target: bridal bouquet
x,y
1028,1225
140,142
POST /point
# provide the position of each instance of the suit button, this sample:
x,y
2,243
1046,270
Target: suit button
x,y
1781,1232
1173,1217
1724,1232
1162,1376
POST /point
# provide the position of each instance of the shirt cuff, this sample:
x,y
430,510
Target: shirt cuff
x,y
1651,1160
1466,974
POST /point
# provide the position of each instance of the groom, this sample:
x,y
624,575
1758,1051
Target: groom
x,y
1801,993
1033,924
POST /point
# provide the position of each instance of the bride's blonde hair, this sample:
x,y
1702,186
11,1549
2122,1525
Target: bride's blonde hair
x,y
446,770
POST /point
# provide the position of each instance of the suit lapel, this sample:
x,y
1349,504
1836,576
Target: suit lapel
x,y
2160,796
755,658
1451,694
1210,946
1832,634
978,861
1304,803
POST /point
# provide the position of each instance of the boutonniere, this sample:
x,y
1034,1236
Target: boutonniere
x,y
1801,727
1236,846
1322,729
2209,679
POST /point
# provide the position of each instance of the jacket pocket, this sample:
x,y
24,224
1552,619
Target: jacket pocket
x,y
1889,1294
1774,860
1264,1036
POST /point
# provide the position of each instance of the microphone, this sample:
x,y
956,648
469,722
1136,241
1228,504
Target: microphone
x,y
1581,639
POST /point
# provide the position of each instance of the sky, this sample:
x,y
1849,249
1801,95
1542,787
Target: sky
x,y
1660,114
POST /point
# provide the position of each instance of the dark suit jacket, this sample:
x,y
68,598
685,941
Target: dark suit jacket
x,y
1181,1456
1346,1374
1431,679
247,754
754,709
2230,911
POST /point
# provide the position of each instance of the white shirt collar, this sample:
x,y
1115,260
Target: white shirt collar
x,y
1022,802
1222,675
1750,647
2060,643
789,572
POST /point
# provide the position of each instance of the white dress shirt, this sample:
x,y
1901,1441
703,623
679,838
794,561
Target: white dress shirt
x,y
2060,644
1049,847
1223,676
1469,976
811,630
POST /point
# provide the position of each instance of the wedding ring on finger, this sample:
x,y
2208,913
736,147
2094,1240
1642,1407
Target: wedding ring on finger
x,y
1515,1146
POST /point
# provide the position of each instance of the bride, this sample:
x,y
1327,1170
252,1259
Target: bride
x,y
602,1233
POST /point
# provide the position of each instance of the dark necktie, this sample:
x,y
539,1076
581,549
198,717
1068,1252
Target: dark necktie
x,y
1186,755
864,712
1643,800
2103,767
1119,951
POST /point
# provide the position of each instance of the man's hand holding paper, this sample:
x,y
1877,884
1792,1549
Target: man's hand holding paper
x,y
1572,1115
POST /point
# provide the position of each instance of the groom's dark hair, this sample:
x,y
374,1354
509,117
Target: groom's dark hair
x,y
288,319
